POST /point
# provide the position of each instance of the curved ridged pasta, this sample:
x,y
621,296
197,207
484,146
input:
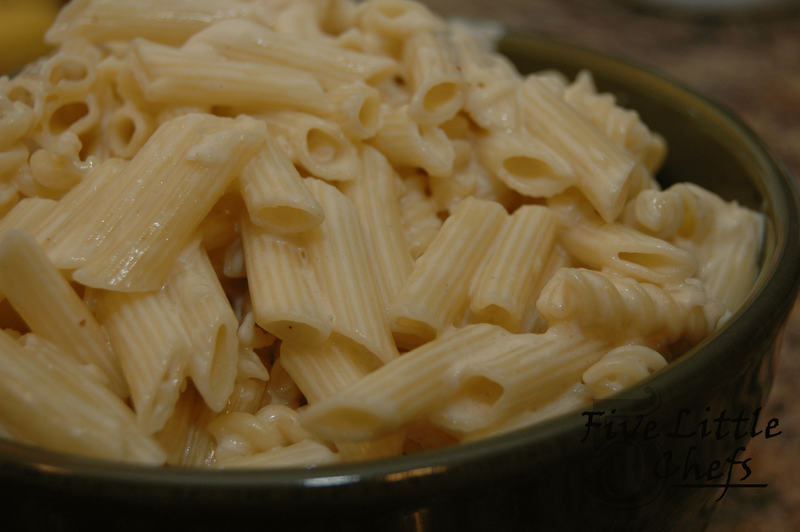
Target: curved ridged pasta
x,y
726,239
621,368
128,129
656,213
396,19
621,307
240,434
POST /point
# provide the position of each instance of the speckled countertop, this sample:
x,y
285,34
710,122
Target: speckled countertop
x,y
751,63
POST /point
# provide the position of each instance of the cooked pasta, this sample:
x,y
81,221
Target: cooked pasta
x,y
252,234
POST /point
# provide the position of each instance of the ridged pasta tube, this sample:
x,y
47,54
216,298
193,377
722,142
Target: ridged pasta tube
x,y
275,194
437,86
604,171
74,398
250,42
437,291
622,126
52,309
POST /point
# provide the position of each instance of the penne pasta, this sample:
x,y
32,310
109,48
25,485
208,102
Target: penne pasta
x,y
240,234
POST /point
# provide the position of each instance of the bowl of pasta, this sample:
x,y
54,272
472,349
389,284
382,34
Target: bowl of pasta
x,y
352,266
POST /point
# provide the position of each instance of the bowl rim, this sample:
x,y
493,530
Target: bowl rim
x,y
777,284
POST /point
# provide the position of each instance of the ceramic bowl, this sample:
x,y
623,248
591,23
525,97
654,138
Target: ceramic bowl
x,y
663,472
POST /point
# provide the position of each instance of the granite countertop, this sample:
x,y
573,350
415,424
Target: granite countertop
x,y
750,62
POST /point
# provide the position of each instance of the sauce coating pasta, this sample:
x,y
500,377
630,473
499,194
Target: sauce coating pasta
x,y
288,234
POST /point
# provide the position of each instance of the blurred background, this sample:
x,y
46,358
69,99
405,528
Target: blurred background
x,y
743,53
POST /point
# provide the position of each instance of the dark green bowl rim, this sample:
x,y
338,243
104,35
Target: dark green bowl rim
x,y
452,467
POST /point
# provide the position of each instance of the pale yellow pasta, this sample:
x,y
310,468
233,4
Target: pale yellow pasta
x,y
320,146
143,223
604,172
656,213
295,233
52,309
286,296
493,82
169,22
621,368
418,215
380,403
26,215
74,398
341,261
356,107
505,284
275,194
129,129
524,163
622,126
724,237
627,252
437,291
628,311
60,168
73,68
574,397
66,220
184,328
185,436
306,453
374,196
17,117
405,143
470,178
247,41
527,372
165,74
324,371
437,86
396,19
239,434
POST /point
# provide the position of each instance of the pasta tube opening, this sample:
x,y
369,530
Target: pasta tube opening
x,y
67,115
474,399
370,114
440,96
